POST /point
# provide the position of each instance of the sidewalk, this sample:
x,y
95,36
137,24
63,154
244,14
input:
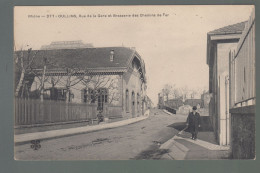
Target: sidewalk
x,y
183,148
27,137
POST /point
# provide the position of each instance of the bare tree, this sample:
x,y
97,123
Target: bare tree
x,y
167,90
193,93
176,93
184,92
70,81
99,82
43,65
24,66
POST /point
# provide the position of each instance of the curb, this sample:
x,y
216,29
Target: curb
x,y
167,144
177,150
24,138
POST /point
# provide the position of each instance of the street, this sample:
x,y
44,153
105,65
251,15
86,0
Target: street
x,y
136,141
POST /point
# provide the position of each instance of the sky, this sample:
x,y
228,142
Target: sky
x,y
171,40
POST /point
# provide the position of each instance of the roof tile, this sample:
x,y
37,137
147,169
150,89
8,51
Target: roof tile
x,y
85,58
230,29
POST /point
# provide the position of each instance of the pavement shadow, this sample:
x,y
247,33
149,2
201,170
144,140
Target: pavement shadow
x,y
205,131
178,126
152,153
206,125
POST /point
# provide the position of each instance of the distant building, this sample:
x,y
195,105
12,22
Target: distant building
x,y
149,103
160,101
174,103
66,45
193,102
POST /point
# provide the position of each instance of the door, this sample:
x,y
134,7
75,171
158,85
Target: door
x,y
133,104
227,110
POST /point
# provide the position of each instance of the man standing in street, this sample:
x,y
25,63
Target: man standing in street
x,y
193,122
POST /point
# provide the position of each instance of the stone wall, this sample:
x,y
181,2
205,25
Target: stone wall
x,y
184,110
243,132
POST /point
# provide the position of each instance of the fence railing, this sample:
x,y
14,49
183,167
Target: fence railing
x,y
242,67
30,112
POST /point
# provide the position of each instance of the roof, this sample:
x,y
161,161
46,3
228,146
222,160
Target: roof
x,y
66,45
227,34
230,29
90,60
230,33
84,58
174,100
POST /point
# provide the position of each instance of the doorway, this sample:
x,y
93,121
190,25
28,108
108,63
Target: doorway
x,y
133,104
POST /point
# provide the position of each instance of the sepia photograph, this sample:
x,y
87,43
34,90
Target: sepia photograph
x,y
164,82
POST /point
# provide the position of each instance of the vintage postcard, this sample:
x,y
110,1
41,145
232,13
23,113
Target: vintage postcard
x,y
134,82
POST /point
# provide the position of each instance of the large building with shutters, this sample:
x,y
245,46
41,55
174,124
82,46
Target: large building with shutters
x,y
105,76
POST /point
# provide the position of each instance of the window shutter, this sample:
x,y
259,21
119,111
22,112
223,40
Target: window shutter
x,y
82,95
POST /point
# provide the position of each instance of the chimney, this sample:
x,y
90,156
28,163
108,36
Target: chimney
x,y
112,55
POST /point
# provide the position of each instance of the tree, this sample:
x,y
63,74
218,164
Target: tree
x,y
38,69
70,81
175,93
184,92
99,82
194,93
167,90
24,67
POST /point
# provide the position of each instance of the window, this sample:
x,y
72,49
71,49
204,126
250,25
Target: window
x,y
89,95
138,102
127,100
133,98
61,94
85,95
55,94
102,97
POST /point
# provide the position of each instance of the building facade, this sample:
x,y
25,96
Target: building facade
x,y
219,43
243,93
231,60
108,77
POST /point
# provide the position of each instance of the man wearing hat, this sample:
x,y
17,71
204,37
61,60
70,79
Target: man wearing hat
x,y
193,122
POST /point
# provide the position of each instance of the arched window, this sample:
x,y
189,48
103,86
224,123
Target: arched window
x,y
133,104
127,100
138,102
133,97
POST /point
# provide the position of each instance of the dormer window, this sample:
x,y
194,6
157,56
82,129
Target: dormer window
x,y
112,55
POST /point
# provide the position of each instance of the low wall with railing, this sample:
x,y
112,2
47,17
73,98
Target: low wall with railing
x,y
169,109
32,112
